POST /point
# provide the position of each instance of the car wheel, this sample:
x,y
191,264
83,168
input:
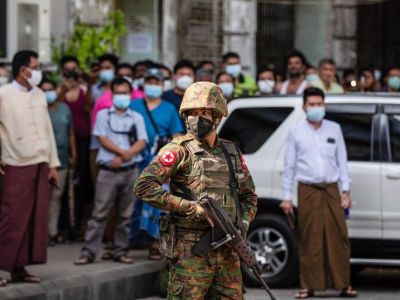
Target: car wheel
x,y
274,246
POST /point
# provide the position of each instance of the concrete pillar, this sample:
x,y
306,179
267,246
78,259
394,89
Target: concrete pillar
x,y
169,53
240,25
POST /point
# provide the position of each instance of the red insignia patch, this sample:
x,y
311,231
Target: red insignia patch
x,y
244,166
168,158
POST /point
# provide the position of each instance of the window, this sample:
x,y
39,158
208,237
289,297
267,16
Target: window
x,y
357,129
394,131
250,128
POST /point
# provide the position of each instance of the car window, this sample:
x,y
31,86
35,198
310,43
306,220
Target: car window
x,y
250,128
394,131
357,130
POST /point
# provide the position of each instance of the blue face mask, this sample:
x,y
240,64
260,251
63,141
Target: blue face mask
x,y
315,114
312,77
153,91
107,75
227,88
121,101
233,70
394,82
51,96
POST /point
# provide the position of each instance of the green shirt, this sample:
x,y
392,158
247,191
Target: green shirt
x,y
61,120
246,86
334,88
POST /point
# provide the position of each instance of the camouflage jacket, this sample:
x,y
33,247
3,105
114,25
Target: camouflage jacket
x,y
176,163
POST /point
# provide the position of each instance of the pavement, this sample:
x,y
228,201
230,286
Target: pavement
x,y
62,280
372,284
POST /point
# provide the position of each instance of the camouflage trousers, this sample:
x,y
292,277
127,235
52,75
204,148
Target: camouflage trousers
x,y
215,276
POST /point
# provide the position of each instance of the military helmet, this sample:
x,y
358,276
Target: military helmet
x,y
204,94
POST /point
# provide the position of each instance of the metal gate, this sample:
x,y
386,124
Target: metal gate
x,y
200,30
275,33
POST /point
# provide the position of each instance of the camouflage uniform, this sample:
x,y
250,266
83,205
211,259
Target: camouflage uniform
x,y
193,169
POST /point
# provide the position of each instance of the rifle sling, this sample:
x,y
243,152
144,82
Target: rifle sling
x,y
232,183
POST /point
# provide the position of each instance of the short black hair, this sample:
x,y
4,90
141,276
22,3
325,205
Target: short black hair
x,y
68,58
3,65
120,81
124,66
22,59
229,55
296,53
46,80
163,67
265,70
184,63
312,91
205,62
326,61
112,58
221,74
147,63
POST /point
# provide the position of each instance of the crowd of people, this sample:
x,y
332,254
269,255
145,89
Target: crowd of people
x,y
110,122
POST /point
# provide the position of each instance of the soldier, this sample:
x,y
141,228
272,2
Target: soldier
x,y
195,165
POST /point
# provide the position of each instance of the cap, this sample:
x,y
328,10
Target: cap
x,y
154,73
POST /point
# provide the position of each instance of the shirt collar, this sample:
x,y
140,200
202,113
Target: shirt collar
x,y
21,88
126,113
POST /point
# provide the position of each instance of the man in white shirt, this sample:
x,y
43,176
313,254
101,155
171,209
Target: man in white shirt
x,y
295,68
28,164
316,157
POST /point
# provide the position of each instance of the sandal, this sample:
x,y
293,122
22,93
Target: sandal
x,y
124,259
154,254
24,277
107,255
3,282
84,260
349,292
304,294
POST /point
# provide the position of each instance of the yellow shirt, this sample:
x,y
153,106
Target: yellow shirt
x,y
334,88
26,132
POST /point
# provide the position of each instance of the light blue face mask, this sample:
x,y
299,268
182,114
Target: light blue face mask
x,y
51,96
233,70
315,114
312,77
107,75
227,88
121,101
153,90
394,82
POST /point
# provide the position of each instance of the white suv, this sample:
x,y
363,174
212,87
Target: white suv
x,y
371,128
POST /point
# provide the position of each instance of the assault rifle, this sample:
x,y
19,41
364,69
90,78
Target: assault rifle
x,y
223,231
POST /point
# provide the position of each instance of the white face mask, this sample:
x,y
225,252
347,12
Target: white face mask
x,y
266,86
3,80
184,82
35,79
168,85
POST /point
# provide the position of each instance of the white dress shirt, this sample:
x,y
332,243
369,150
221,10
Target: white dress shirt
x,y
315,156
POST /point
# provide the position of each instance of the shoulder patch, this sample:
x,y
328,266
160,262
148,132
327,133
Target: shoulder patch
x,y
168,158
244,165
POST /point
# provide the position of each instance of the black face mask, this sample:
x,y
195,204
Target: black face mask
x,y
200,126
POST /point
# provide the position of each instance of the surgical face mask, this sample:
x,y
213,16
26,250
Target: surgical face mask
x,y
266,86
311,77
168,85
107,75
394,82
153,90
35,79
3,80
200,127
121,101
184,82
315,114
138,82
233,70
51,96
227,88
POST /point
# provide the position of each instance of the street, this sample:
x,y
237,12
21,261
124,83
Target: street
x,y
372,284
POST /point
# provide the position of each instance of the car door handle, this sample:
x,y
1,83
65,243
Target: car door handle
x,y
393,176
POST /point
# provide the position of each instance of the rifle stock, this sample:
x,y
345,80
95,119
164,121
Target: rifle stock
x,y
224,224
